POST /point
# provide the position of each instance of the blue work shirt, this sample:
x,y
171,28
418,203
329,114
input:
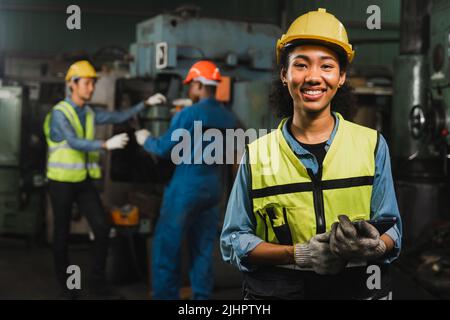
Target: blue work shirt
x,y
61,129
238,234
196,174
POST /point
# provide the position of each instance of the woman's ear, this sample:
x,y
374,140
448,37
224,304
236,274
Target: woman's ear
x,y
342,77
283,76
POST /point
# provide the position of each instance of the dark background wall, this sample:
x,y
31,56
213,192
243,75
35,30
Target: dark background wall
x,y
36,27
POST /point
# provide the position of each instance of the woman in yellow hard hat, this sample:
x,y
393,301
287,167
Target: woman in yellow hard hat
x,y
288,225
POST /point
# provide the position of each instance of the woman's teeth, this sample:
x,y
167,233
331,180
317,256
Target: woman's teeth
x,y
315,92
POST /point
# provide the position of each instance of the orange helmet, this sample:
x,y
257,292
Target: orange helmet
x,y
205,72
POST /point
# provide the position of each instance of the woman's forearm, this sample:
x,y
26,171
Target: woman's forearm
x,y
388,242
271,254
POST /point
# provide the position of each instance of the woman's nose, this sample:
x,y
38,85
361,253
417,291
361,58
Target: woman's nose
x,y
313,75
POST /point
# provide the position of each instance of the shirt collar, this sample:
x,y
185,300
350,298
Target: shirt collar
x,y
296,146
74,105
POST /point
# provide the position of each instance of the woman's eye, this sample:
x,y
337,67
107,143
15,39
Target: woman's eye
x,y
299,65
327,66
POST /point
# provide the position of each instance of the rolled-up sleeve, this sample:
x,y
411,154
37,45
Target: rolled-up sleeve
x,y
384,202
238,233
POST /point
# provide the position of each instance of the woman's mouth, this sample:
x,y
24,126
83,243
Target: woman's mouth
x,y
312,94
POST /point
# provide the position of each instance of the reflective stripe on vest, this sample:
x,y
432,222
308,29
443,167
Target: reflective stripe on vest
x,y
65,163
72,166
290,204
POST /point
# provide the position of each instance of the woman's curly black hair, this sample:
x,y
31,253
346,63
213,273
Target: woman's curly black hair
x,y
281,101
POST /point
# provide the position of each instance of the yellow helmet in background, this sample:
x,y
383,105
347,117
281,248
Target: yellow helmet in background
x,y
81,69
319,26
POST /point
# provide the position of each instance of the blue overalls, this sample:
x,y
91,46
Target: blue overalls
x,y
190,206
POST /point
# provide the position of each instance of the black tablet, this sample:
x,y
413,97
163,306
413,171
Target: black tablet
x,y
382,224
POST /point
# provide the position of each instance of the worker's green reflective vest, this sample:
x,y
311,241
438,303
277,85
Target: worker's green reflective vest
x,y
290,204
64,163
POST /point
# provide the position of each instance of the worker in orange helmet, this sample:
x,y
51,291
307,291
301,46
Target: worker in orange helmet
x,y
191,200
204,72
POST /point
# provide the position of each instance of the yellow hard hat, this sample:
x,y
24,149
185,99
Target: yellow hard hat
x,y
319,26
81,69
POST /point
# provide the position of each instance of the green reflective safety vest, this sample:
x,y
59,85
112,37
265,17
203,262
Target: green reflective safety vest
x,y
291,204
64,163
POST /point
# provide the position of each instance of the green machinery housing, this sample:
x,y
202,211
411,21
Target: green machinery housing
x,y
21,179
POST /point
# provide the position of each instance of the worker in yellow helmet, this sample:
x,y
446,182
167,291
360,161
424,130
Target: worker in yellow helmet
x,y
290,222
72,166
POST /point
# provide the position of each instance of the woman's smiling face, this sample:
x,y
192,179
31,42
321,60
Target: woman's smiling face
x,y
312,76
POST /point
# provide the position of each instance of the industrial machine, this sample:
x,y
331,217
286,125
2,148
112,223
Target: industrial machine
x,y
166,47
22,180
420,146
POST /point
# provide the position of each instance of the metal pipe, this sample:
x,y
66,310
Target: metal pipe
x,y
414,26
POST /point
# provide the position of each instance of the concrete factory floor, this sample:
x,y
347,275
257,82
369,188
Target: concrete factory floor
x,y
27,273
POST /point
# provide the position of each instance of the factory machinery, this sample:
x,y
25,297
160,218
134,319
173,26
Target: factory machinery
x,y
164,49
21,175
420,140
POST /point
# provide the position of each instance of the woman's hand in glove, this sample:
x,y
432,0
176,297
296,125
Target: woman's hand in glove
x,y
316,254
356,242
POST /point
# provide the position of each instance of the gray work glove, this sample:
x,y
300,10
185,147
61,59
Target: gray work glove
x,y
360,242
316,254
